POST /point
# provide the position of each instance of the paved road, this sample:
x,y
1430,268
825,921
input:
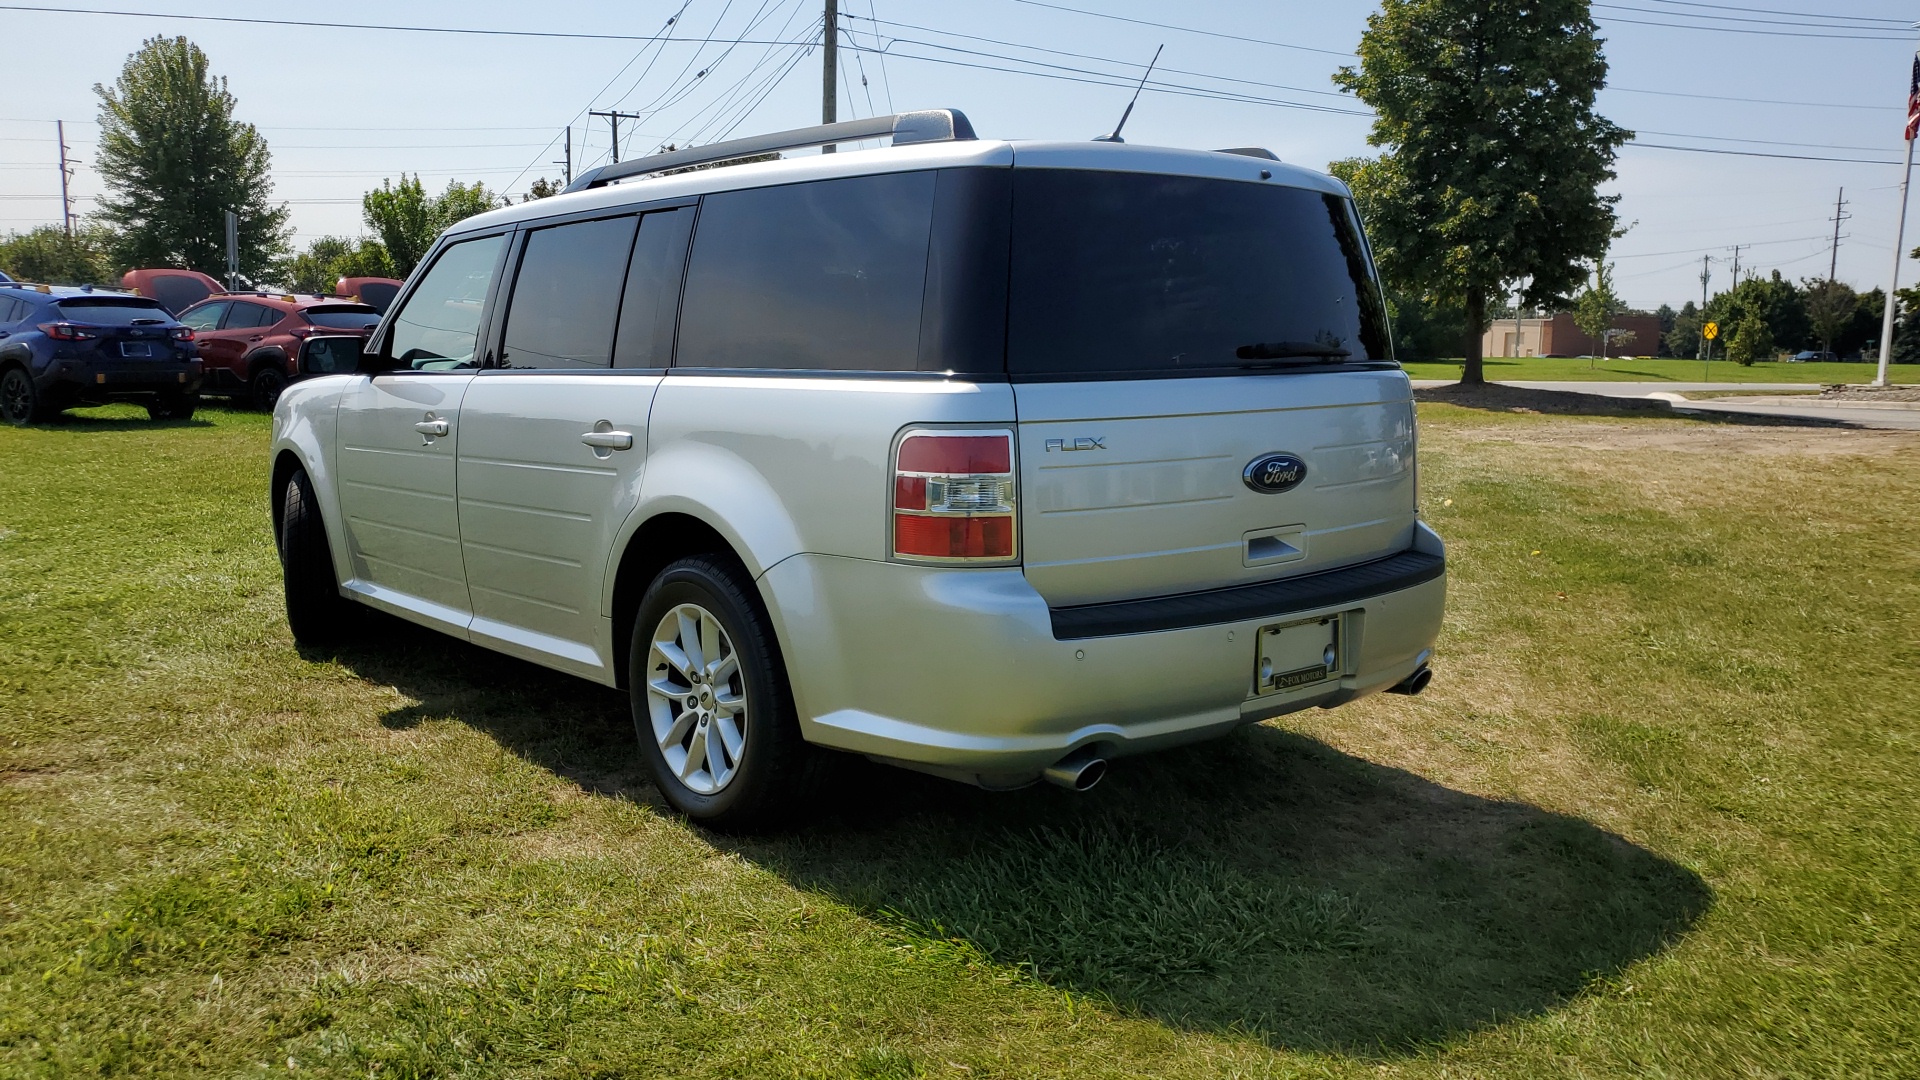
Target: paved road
x,y
1857,416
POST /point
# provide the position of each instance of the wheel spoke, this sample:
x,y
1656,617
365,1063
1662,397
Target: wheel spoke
x,y
731,738
677,732
690,621
677,659
712,641
720,672
696,757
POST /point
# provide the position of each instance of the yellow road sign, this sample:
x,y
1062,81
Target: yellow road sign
x,y
1712,330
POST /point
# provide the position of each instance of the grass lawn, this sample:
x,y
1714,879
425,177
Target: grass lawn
x,y
1657,817
1547,368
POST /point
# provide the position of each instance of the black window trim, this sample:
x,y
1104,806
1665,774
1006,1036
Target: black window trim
x,y
382,339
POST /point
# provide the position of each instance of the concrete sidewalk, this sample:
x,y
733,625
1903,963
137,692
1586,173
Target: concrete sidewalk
x,y
1902,418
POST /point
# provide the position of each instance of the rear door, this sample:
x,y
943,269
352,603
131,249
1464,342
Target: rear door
x,y
1168,334
398,433
554,437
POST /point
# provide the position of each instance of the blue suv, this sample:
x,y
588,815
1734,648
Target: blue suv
x,y
64,347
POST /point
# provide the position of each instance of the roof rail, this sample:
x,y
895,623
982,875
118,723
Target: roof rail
x,y
928,125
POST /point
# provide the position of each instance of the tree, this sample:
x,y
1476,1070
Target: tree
x,y
1493,151
1596,309
1774,300
1830,307
408,219
1667,316
1424,331
330,258
175,161
48,255
1751,340
543,188
1684,337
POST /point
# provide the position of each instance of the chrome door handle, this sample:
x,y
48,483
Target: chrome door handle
x,y
436,428
608,440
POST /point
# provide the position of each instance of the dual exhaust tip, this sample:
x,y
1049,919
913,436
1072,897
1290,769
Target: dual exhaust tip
x,y
1413,683
1078,771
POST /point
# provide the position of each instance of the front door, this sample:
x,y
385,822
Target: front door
x,y
398,434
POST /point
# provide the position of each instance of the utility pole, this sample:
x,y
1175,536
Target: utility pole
x,y
66,173
613,121
830,69
1519,294
1736,264
566,163
1839,215
1706,274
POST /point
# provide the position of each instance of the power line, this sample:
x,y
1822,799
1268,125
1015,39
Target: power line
x,y
1759,154
1762,142
1776,11
1740,30
1710,19
1185,29
1756,101
476,31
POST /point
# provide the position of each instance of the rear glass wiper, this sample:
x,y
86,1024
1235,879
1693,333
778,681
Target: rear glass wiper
x,y
1290,350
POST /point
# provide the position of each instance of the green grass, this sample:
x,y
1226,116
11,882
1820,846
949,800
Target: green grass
x,y
1574,370
1657,816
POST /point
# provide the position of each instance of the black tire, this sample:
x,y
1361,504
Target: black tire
x,y
316,612
173,406
267,386
776,771
19,398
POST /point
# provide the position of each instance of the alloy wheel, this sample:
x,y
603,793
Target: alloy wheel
x,y
697,698
16,397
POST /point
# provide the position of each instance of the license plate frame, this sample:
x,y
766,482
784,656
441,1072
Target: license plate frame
x,y
1293,656
137,350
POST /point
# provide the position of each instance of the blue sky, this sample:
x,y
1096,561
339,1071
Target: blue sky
x,y
342,108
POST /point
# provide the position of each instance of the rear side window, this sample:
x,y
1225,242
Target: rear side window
x,y
823,275
653,290
439,326
379,295
567,296
178,292
246,316
11,310
342,318
1138,273
206,317
113,311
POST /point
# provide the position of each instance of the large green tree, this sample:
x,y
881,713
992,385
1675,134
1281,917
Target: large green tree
x,y
49,256
408,219
175,161
1830,310
1773,300
1493,153
330,258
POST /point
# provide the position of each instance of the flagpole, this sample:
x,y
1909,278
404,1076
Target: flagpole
x,y
1900,231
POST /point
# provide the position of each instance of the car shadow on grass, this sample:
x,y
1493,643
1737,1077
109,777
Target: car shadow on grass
x,y
1264,885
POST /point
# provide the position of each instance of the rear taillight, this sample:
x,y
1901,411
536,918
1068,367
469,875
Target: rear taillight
x,y
955,497
66,331
181,333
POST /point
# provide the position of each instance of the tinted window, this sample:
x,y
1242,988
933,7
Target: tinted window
x,y
342,318
379,295
828,275
645,339
206,317
113,311
11,310
245,316
567,295
440,325
178,292
1127,272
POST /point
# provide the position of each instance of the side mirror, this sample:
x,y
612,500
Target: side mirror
x,y
337,354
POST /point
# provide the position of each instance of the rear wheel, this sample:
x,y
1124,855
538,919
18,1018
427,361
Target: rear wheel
x,y
266,387
19,398
710,699
173,406
316,612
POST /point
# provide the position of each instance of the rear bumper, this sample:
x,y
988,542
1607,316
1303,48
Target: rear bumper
x,y
960,672
103,380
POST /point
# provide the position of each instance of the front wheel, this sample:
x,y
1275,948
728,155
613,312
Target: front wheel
x,y
19,398
710,699
316,612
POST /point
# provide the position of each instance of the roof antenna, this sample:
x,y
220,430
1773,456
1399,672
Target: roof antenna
x,y
1114,135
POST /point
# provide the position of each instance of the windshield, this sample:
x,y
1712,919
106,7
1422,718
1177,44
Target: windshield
x,y
1141,273
114,311
343,318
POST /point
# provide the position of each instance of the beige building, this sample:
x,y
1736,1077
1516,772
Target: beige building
x,y
1559,336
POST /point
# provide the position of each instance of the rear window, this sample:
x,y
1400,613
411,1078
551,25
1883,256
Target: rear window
x,y
178,291
113,310
823,275
342,318
1139,273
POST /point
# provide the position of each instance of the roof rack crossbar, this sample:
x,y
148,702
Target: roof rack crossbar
x,y
925,126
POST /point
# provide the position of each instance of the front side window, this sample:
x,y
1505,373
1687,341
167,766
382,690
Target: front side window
x,y
1116,273
567,295
439,327
823,275
205,317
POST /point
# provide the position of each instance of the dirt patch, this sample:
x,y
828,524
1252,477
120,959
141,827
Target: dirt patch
x,y
1499,397
1867,395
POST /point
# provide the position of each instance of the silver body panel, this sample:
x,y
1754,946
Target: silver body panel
x,y
509,530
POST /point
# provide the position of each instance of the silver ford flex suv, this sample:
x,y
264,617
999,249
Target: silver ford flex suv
x,y
995,460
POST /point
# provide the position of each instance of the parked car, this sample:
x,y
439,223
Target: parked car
x,y
993,460
1812,356
64,347
375,292
249,340
177,290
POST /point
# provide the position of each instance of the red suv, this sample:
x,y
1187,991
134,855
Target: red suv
x,y
249,342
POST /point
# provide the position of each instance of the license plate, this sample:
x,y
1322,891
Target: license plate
x,y
136,348
1298,654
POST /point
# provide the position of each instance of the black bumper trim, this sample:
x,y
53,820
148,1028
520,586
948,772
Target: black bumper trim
x,y
1270,599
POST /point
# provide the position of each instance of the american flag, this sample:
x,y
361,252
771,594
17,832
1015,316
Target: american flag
x,y
1913,102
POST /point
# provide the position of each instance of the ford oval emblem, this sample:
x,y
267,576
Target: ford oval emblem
x,y
1271,474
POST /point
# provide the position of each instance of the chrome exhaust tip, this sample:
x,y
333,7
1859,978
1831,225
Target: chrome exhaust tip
x,y
1078,771
1413,683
